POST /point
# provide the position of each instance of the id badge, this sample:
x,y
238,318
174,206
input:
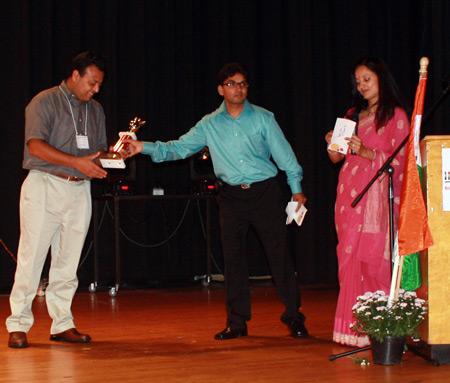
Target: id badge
x,y
82,141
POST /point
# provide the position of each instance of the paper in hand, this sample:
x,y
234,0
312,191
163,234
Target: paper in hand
x,y
343,129
293,215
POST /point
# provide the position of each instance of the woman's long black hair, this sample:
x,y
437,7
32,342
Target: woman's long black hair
x,y
389,96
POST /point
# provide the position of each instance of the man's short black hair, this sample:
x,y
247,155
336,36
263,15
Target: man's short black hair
x,y
85,59
229,70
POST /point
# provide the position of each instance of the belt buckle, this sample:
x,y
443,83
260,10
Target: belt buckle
x,y
244,186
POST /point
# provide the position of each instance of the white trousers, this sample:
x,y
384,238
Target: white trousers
x,y
53,212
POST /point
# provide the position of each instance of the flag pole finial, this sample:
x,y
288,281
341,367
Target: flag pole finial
x,y
423,66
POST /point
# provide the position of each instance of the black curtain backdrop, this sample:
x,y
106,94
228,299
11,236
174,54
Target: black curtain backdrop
x,y
163,57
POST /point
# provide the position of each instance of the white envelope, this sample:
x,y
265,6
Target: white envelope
x,y
293,215
343,129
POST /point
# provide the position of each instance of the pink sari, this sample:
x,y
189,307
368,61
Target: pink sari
x,y
363,232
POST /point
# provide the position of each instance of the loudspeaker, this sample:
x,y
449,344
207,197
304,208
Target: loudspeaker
x,y
203,179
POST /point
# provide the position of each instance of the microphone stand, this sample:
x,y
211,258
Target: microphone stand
x,y
439,101
389,170
386,167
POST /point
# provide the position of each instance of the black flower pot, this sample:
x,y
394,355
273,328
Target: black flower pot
x,y
388,352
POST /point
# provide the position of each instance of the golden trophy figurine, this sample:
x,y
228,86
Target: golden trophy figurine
x,y
113,159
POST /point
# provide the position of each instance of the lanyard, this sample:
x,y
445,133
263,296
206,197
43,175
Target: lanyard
x,y
73,118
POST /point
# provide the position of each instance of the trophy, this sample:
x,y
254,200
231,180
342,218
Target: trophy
x,y
113,159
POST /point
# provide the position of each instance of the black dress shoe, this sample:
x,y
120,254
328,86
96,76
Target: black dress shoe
x,y
72,336
230,333
298,330
17,339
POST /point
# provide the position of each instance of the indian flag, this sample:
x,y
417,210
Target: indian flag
x,y
414,233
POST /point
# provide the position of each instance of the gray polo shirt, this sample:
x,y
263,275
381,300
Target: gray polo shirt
x,y
48,117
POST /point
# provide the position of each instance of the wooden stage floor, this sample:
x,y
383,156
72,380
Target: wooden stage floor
x,y
167,335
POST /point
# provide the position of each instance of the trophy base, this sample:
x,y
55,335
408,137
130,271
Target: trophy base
x,y
111,163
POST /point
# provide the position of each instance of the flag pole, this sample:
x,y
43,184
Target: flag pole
x,y
412,139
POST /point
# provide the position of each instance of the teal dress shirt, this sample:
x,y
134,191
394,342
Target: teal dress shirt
x,y
240,149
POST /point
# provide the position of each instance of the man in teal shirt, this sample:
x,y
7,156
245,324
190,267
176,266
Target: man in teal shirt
x,y
242,138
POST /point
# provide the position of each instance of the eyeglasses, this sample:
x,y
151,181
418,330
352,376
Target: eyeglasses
x,y
234,84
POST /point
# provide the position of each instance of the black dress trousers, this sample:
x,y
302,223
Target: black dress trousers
x,y
262,207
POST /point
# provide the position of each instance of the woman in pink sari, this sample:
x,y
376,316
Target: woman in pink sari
x,y
363,248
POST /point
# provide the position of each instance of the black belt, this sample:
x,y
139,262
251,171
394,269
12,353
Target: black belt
x,y
242,186
245,186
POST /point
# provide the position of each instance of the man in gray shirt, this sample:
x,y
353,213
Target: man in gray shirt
x,y
64,134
